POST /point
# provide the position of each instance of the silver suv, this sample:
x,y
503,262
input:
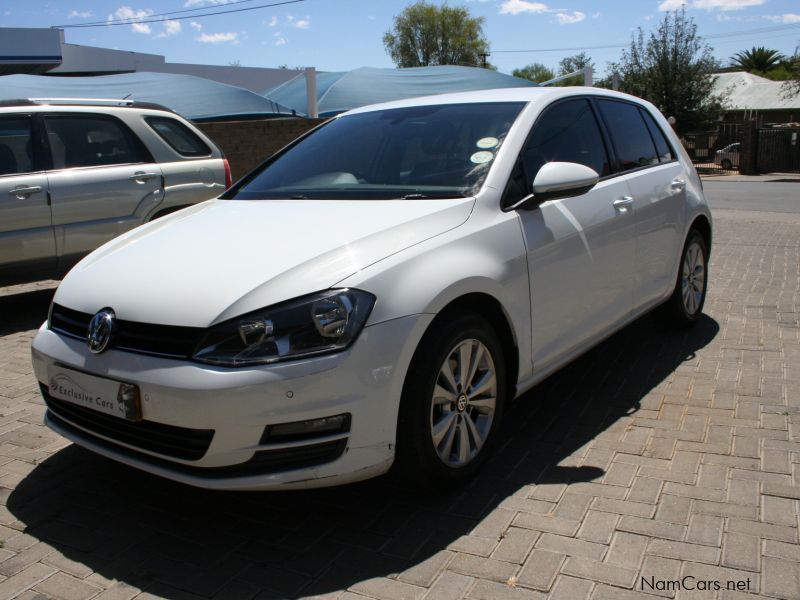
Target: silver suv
x,y
77,173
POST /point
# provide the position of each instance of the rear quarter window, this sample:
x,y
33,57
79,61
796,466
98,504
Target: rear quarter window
x,y
179,137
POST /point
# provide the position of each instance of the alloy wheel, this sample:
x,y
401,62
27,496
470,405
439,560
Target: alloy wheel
x,y
693,278
464,402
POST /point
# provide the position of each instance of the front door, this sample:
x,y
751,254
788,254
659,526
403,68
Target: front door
x,y
26,232
580,249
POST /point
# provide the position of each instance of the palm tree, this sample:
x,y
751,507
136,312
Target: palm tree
x,y
757,59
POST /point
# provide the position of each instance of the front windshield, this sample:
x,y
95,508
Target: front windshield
x,y
419,152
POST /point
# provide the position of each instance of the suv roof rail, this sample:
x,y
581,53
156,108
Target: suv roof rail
x,y
121,102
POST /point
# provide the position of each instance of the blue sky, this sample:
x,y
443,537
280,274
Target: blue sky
x,y
335,35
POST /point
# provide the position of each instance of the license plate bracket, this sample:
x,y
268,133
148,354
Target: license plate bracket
x,y
108,396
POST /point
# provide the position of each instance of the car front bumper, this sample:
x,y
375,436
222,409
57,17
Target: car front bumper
x,y
182,399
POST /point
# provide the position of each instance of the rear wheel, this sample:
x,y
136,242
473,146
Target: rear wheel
x,y
685,305
726,164
452,403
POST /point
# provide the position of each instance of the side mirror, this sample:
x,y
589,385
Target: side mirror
x,y
559,180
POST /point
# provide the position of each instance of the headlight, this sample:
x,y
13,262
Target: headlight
x,y
324,322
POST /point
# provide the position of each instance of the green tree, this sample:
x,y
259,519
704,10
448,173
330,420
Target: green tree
x,y
671,68
570,64
534,72
759,59
791,87
425,34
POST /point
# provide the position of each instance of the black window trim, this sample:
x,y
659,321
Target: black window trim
x,y
209,151
141,147
615,172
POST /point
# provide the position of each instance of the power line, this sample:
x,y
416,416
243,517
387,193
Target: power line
x,y
132,20
743,32
135,21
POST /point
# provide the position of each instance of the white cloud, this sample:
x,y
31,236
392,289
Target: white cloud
x,y
515,7
788,18
726,4
671,5
597,15
81,14
131,14
279,39
219,38
195,25
569,18
272,22
170,28
303,23
667,5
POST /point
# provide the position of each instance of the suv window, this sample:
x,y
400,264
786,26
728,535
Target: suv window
x,y
16,153
566,132
629,134
179,137
662,145
90,141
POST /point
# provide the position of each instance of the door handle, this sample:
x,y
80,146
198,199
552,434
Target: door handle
x,y
23,192
624,204
141,176
678,184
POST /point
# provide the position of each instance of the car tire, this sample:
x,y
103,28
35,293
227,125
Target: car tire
x,y
446,429
685,305
726,164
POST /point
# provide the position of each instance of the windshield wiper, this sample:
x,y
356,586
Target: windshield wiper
x,y
418,196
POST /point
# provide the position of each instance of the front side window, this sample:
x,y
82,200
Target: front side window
x,y
566,132
90,141
629,134
16,154
416,152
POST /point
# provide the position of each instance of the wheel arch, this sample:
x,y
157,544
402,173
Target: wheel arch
x,y
703,225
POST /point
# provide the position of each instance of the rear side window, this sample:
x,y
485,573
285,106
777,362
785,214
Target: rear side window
x,y
629,134
16,154
91,141
179,137
662,145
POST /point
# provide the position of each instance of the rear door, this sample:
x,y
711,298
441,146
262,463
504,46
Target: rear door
x,y
657,183
26,232
102,180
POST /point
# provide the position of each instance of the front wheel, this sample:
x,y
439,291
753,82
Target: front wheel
x,y
685,305
452,403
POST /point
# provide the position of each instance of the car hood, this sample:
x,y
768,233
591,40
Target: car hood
x,y
223,258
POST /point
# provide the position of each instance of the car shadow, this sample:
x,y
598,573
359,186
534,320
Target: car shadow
x,y
170,538
24,311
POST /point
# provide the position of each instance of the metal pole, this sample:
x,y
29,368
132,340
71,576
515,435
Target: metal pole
x,y
587,76
615,81
311,92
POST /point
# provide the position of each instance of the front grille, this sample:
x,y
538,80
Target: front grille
x,y
263,462
168,440
169,341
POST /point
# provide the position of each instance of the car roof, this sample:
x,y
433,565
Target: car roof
x,y
518,94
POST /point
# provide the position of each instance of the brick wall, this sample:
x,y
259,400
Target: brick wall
x,y
247,143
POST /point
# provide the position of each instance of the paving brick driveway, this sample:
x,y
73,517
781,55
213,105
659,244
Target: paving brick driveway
x,y
657,457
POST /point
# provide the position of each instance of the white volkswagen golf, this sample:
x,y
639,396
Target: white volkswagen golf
x,y
378,291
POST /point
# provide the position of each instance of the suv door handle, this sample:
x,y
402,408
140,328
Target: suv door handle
x,y
141,176
623,204
23,192
678,184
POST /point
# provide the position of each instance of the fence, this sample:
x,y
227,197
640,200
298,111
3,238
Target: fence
x,y
715,151
778,150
